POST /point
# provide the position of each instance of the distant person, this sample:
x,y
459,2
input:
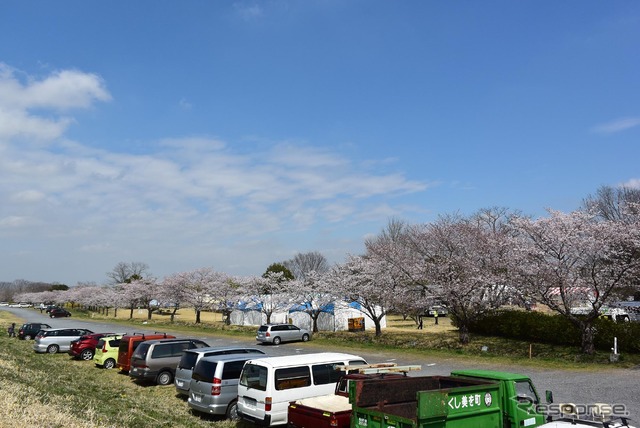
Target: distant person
x,y
41,307
435,316
12,330
420,323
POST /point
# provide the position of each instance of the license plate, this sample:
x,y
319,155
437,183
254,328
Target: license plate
x,y
180,383
250,401
197,398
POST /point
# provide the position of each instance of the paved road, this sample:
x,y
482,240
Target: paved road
x,y
611,386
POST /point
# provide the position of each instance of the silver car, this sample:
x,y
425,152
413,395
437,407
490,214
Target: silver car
x,y
214,384
191,357
277,333
53,340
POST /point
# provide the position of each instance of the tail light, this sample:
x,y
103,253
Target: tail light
x,y
104,348
267,404
333,422
267,334
216,388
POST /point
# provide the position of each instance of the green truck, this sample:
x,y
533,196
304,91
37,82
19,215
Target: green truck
x,y
465,399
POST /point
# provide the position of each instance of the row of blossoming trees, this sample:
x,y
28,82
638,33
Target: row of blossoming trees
x,y
473,264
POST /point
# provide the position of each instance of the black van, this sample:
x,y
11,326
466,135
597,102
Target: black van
x,y
29,330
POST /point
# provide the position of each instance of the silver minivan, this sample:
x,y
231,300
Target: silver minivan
x,y
52,340
192,356
214,384
278,333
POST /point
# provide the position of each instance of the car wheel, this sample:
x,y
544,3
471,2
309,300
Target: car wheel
x,y
305,337
276,340
52,349
232,411
87,355
27,337
109,364
164,378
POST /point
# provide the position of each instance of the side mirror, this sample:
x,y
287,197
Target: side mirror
x,y
549,396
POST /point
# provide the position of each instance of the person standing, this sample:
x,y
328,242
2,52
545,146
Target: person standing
x,y
435,316
12,330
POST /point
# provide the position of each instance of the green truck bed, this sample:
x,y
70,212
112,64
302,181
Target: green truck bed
x,y
427,402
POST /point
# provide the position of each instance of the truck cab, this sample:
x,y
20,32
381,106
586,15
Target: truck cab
x,y
519,397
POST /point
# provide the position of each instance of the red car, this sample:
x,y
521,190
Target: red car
x,y
85,347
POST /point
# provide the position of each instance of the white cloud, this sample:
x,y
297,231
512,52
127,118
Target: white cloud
x,y
61,91
633,183
618,125
248,11
28,196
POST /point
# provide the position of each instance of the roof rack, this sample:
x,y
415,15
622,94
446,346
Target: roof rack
x,y
380,368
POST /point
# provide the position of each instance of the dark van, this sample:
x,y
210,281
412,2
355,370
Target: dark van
x,y
129,343
156,360
29,330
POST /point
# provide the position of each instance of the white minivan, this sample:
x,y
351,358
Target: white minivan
x,y
267,386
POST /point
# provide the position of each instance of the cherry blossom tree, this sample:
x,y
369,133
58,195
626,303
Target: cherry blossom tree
x,y
198,288
315,293
146,291
271,293
368,282
573,260
466,261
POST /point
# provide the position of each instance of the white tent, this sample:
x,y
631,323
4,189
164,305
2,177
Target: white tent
x,y
334,317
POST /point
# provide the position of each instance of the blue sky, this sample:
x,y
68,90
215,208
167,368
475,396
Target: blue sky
x,y
234,134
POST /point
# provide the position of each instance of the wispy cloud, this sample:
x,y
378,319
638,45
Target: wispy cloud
x,y
618,125
248,10
193,195
633,183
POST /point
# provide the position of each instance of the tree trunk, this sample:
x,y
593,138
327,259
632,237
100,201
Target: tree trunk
x,y
588,347
131,313
463,331
173,314
149,312
378,325
314,318
197,316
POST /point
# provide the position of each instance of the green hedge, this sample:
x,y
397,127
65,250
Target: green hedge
x,y
555,329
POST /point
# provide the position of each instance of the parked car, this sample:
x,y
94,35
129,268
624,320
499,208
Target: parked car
x,y
29,330
129,343
53,340
277,333
59,312
85,347
441,310
20,305
156,360
214,384
106,354
191,357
